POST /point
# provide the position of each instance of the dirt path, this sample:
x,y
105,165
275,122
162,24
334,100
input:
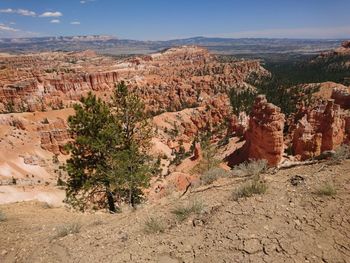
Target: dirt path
x,y
286,224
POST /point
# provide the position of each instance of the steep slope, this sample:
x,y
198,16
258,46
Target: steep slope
x,y
290,223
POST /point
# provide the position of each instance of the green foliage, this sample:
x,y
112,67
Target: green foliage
x,y
2,216
253,168
286,94
213,174
180,154
285,88
10,107
209,152
55,159
153,226
326,190
255,187
341,153
184,211
67,229
321,69
109,159
242,100
60,182
45,121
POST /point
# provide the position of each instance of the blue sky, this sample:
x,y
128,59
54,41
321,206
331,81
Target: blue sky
x,y
169,19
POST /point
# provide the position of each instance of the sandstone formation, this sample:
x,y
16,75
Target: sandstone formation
x,y
341,96
175,79
264,137
54,135
187,124
346,44
321,129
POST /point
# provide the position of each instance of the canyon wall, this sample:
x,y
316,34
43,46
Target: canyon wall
x,y
175,79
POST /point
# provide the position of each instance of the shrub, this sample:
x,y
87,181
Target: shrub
x,y
67,229
326,190
154,225
341,153
97,222
55,159
46,205
45,121
183,212
212,175
249,189
2,216
253,168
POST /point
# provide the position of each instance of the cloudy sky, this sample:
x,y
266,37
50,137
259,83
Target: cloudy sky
x,y
168,19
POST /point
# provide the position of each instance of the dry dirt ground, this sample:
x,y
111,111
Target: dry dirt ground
x,y
286,224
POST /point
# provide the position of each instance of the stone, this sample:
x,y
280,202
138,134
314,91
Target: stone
x,y
54,135
341,96
322,128
197,151
252,246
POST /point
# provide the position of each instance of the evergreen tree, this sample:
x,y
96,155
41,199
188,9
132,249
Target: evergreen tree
x,y
95,133
109,154
136,133
242,100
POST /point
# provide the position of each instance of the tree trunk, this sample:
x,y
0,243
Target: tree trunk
x,y
110,200
130,196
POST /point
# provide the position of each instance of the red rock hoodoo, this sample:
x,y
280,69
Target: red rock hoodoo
x,y
264,137
321,129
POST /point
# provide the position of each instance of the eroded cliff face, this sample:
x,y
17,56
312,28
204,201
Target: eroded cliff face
x,y
264,136
322,128
54,135
175,79
341,96
184,88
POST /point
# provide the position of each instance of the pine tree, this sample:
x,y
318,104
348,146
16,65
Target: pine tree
x,y
109,154
95,133
137,165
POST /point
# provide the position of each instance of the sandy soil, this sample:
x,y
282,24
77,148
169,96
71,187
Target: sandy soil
x,y
286,224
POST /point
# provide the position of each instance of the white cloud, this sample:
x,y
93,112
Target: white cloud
x,y
86,1
51,14
10,32
75,23
7,28
8,10
25,12
22,12
55,21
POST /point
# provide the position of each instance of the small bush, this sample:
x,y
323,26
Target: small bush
x,y
212,175
46,205
65,230
97,222
326,190
341,153
2,216
45,121
183,212
253,168
154,225
249,189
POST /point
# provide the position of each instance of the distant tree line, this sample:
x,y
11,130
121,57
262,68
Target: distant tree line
x,y
285,88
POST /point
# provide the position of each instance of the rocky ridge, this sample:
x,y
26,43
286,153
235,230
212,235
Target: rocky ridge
x,y
187,75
